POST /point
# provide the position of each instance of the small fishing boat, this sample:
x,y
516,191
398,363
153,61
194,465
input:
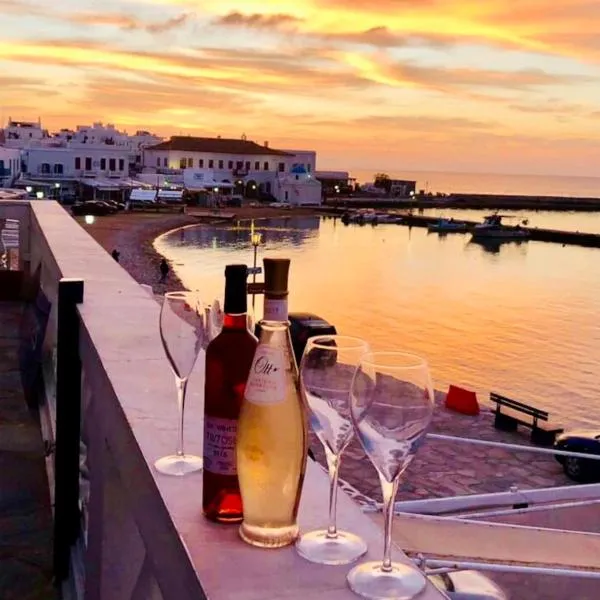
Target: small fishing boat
x,y
492,227
448,226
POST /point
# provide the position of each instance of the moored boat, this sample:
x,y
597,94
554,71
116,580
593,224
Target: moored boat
x,y
444,225
492,227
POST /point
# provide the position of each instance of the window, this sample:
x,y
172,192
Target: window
x,y
281,167
121,164
257,165
165,162
239,165
230,164
286,197
247,165
58,169
182,163
266,165
77,163
88,163
190,162
220,164
158,162
112,164
308,167
103,164
211,164
201,163
45,168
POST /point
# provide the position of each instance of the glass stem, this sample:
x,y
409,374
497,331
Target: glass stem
x,y
181,387
333,464
389,494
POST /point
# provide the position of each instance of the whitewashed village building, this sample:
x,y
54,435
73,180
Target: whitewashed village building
x,y
22,134
10,166
99,161
249,168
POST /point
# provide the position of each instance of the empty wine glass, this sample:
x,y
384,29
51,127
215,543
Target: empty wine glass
x,y
391,408
326,371
182,331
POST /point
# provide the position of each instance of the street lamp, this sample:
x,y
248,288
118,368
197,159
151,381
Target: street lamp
x,y
255,240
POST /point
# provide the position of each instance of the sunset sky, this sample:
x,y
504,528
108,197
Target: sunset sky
x,y
465,85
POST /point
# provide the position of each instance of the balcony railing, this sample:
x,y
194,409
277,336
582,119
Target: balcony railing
x,y
121,529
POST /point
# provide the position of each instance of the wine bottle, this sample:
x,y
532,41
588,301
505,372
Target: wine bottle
x,y
228,359
272,431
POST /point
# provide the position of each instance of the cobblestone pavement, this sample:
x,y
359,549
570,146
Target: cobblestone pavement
x,y
449,468
25,517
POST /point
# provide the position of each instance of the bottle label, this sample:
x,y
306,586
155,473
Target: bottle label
x,y
276,309
266,382
219,445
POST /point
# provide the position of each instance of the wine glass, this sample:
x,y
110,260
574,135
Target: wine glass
x,y
326,371
182,331
391,408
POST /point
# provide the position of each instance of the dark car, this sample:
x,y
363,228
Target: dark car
x,y
580,469
302,327
97,208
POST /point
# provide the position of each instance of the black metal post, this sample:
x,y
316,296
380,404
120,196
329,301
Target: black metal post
x,y
68,424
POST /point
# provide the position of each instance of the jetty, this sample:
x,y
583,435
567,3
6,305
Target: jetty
x,y
573,238
470,201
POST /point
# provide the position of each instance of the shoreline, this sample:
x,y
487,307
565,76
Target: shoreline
x,y
133,235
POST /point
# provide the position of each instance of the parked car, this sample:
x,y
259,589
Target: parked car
x,y
468,585
97,208
302,327
580,469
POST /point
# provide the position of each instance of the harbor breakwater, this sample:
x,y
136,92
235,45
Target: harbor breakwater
x,y
472,201
572,238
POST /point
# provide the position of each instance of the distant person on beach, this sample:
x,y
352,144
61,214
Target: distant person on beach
x,y
164,271
115,254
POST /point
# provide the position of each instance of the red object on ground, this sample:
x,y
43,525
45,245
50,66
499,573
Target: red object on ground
x,y
462,401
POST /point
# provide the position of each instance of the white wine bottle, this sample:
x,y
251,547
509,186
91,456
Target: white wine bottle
x,y
272,428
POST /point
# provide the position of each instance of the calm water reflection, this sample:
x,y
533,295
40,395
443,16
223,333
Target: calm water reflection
x,y
519,319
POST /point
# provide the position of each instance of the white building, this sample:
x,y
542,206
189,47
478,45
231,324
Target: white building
x,y
108,135
304,158
251,167
10,166
76,161
23,134
298,188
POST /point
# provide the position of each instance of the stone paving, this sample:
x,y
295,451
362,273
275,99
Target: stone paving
x,y
450,469
25,515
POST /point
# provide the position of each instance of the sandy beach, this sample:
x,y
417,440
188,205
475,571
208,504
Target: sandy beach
x,y
132,234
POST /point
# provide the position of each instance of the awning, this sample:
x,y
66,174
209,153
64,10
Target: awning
x,y
141,195
172,195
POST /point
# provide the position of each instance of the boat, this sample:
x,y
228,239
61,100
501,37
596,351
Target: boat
x,y
388,218
444,225
492,227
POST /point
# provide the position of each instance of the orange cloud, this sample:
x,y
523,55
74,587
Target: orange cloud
x,y
257,20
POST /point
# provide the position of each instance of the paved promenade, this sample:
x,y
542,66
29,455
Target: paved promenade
x,y
25,516
450,469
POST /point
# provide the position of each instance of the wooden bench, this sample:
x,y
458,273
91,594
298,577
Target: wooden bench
x,y
542,433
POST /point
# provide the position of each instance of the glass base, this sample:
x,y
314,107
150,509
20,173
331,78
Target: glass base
x,y
316,547
401,583
178,464
268,537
